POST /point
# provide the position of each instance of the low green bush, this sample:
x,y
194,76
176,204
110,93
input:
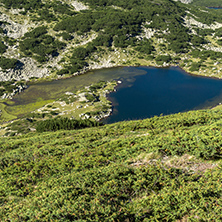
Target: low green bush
x,y
195,66
3,47
64,123
6,63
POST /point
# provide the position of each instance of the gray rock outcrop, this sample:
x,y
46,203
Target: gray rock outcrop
x,y
184,1
28,70
15,30
78,5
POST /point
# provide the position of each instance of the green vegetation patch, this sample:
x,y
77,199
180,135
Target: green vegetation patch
x,y
120,27
107,26
163,58
145,47
8,63
8,86
77,60
60,8
66,36
116,172
20,4
64,123
195,66
3,47
25,109
39,45
207,3
4,115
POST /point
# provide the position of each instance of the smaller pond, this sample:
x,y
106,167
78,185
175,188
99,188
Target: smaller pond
x,y
163,91
215,7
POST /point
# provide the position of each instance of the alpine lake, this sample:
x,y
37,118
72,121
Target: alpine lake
x,y
144,92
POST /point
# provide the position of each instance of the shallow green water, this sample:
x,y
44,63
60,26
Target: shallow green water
x,y
54,89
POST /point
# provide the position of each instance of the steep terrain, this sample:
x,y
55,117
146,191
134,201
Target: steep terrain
x,y
207,3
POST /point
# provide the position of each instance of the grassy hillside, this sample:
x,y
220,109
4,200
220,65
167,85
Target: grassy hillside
x,y
166,168
160,169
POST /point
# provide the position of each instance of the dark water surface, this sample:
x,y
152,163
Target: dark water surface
x,y
163,91
215,7
144,91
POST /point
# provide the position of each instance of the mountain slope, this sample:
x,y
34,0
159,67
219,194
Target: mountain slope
x,y
46,39
164,168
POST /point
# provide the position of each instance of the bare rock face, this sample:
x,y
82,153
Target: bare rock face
x,y
147,32
29,69
13,29
78,5
191,21
19,89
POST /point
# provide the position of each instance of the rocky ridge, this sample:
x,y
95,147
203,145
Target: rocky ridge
x,y
19,89
13,29
189,21
30,68
78,5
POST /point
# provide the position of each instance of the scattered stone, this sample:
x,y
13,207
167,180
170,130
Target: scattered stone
x,y
19,89
69,93
184,1
189,21
13,29
78,5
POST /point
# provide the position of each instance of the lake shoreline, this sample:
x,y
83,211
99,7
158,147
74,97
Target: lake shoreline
x,y
55,82
122,66
88,69
210,102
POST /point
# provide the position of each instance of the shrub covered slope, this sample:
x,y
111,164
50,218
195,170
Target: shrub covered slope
x,y
159,169
87,37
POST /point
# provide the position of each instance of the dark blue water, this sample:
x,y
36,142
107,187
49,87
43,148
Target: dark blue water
x,y
215,7
163,91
